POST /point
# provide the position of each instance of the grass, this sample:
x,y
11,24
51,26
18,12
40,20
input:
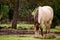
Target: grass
x,y
57,29
27,37
3,25
18,37
58,38
24,25
14,37
18,25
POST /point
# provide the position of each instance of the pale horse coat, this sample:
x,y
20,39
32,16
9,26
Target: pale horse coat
x,y
43,16
45,13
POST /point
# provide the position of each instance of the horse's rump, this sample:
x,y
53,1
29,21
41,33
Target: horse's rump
x,y
45,13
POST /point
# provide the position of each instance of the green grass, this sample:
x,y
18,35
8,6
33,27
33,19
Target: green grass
x,y
14,37
18,37
3,25
18,25
57,29
58,38
24,25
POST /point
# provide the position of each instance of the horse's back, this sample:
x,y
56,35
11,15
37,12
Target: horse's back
x,y
45,13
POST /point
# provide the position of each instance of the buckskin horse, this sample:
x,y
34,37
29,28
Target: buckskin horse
x,y
43,16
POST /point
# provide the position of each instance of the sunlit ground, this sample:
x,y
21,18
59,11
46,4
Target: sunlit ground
x,y
24,37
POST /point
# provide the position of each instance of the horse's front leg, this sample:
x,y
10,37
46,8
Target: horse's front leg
x,y
36,28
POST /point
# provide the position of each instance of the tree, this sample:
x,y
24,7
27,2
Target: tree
x,y
4,9
15,7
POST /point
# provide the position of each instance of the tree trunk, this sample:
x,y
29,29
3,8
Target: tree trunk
x,y
14,22
15,15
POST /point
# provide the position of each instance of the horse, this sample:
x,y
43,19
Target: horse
x,y
43,16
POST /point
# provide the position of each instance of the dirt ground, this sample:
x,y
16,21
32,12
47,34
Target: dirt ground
x,y
17,31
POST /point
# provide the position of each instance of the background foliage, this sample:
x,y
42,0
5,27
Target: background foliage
x,y
26,8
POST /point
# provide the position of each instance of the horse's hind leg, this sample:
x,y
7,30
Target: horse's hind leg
x,y
48,24
36,28
41,29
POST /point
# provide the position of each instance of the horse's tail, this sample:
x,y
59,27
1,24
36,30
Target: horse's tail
x,y
36,16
